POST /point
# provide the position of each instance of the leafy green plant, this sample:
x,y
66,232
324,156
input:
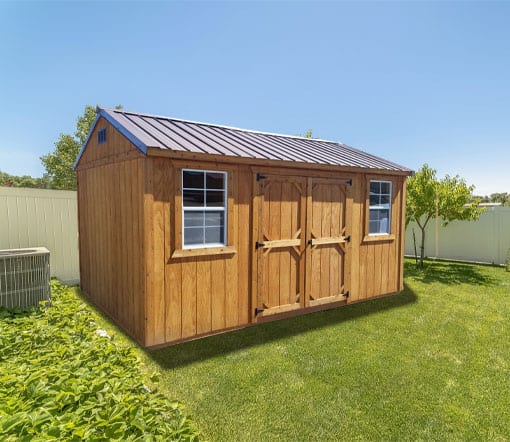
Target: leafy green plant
x,y
62,377
428,197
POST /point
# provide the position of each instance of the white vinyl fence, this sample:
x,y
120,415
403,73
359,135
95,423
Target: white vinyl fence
x,y
42,218
485,240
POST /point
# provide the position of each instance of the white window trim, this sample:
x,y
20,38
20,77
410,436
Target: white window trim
x,y
205,209
380,208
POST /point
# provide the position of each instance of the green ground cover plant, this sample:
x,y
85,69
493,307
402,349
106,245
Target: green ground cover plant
x,y
432,363
63,377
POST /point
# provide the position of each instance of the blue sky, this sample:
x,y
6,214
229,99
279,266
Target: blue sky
x,y
412,82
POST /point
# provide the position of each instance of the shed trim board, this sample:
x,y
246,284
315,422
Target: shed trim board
x,y
297,232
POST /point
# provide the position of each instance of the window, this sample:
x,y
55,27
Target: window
x,y
380,208
204,207
101,136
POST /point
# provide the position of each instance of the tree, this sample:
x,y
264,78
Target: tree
x,y
7,180
59,163
308,134
503,198
428,197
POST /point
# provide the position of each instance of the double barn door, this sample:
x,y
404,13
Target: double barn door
x,y
301,243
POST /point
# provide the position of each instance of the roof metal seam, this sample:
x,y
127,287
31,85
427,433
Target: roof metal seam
x,y
236,137
300,153
333,149
272,155
332,154
207,134
133,128
188,134
319,156
367,155
152,124
166,123
189,131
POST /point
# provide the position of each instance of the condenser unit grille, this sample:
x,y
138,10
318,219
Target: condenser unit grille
x,y
24,277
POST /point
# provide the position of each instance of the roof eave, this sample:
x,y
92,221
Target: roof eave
x,y
261,162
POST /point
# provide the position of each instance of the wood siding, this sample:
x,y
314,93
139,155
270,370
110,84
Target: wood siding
x,y
194,294
110,218
133,265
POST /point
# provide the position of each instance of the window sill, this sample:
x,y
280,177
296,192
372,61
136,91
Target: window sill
x,y
378,238
184,253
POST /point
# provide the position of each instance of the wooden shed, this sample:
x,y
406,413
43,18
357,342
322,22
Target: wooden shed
x,y
189,229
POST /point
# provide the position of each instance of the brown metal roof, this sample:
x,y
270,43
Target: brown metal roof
x,y
180,135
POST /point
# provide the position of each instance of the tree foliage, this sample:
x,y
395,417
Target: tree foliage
x,y
449,198
59,163
502,197
308,134
7,180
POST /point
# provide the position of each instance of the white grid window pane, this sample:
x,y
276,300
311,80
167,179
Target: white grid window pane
x,y
214,219
193,235
214,235
380,207
193,219
204,208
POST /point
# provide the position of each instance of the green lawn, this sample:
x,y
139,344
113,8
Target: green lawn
x,y
432,363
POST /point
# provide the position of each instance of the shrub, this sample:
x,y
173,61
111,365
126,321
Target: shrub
x,y
64,378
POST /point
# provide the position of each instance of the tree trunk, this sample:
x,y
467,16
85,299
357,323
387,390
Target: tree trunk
x,y
422,246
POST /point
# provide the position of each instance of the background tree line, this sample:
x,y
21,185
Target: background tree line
x,y
503,198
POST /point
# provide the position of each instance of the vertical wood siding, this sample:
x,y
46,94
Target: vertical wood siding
x,y
196,295
380,265
110,202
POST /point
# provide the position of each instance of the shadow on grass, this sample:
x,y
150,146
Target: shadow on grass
x,y
449,273
222,344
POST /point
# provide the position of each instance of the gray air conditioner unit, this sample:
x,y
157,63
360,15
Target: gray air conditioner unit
x,y
24,277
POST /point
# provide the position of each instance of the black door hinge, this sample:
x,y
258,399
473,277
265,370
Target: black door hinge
x,y
258,310
347,238
346,294
258,245
349,182
261,177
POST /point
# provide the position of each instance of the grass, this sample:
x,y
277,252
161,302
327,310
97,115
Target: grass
x,y
432,363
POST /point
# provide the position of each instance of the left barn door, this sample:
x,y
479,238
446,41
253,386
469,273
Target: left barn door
x,y
281,244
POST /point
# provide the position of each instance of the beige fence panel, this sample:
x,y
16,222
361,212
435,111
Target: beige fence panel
x,y
485,240
42,218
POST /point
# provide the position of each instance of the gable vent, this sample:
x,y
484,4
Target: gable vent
x,y
101,136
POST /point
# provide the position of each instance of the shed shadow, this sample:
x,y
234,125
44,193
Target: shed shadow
x,y
449,273
219,345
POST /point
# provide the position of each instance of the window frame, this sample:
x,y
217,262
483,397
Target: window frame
x,y
374,237
390,194
204,208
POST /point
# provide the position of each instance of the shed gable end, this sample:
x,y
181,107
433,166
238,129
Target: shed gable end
x,y
105,145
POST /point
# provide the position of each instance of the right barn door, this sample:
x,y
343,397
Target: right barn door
x,y
328,241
